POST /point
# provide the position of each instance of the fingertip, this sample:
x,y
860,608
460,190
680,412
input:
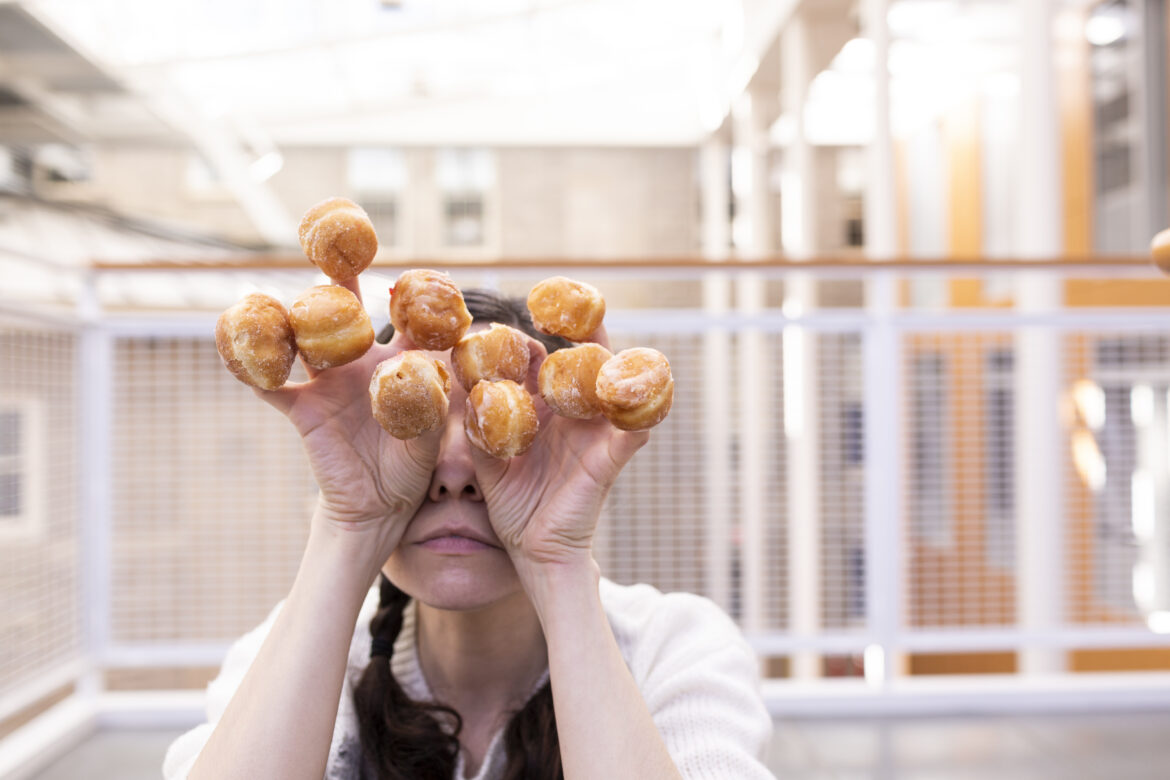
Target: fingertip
x,y
626,443
352,284
401,342
281,398
600,336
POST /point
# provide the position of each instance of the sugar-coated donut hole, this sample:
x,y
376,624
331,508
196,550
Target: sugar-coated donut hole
x,y
256,341
338,237
635,388
332,327
500,418
568,380
497,353
410,394
564,307
428,308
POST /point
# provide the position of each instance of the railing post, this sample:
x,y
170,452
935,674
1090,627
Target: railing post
x,y
1038,363
717,420
884,483
95,405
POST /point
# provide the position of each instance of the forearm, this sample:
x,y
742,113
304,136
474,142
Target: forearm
x,y
603,724
280,721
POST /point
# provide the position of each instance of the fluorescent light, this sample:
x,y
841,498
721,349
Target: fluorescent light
x,y
1145,586
875,665
857,56
1088,461
1159,622
1104,29
1089,399
266,166
1142,502
1141,406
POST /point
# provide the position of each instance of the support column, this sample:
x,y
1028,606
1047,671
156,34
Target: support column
x,y
801,392
1040,522
751,136
881,197
882,372
717,422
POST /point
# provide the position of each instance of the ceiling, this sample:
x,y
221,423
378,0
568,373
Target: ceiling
x,y
294,72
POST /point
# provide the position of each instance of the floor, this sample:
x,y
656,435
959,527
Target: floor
x,y
1130,746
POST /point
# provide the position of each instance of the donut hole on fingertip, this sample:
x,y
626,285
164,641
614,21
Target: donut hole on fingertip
x,y
635,389
410,394
500,419
331,327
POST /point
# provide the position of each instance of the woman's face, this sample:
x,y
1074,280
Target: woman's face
x,y
449,556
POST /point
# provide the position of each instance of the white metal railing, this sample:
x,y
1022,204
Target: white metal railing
x,y
747,346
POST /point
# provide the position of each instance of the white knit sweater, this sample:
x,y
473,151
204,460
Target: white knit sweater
x,y
696,672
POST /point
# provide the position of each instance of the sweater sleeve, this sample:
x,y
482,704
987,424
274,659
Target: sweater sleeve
x,y
183,752
700,680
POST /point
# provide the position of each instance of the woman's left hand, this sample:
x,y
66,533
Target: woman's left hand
x,y
544,505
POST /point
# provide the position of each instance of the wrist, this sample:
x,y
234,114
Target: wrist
x,y
561,588
353,549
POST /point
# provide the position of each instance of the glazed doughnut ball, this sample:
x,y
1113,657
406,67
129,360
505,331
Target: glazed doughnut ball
x,y
500,418
568,380
1160,249
635,389
338,238
429,309
491,355
331,326
567,308
410,394
256,341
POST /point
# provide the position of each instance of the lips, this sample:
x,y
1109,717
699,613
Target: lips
x,y
458,531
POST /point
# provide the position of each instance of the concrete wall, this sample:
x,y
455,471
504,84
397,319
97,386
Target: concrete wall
x,y
554,202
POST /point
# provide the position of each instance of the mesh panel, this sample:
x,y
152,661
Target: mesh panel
x,y
776,570
212,496
40,619
960,497
842,477
1116,483
653,529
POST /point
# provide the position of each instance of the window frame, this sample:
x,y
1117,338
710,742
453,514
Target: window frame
x,y
29,465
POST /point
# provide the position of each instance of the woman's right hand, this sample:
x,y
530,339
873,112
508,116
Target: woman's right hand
x,y
369,481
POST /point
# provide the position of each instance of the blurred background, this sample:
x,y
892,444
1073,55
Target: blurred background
x,y
896,251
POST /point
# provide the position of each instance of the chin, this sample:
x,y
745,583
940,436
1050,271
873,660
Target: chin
x,y
453,582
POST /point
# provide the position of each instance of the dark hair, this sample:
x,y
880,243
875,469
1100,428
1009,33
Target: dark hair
x,y
491,306
407,740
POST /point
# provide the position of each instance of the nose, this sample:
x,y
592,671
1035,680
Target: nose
x,y
454,475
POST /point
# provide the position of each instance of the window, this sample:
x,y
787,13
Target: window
x,y
20,442
465,178
377,178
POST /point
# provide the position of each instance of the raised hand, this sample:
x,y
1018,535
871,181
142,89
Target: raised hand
x,y
366,477
544,505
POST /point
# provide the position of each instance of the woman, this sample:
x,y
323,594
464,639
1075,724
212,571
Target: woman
x,y
510,657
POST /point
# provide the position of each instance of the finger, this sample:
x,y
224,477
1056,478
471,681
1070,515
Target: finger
x,y
281,399
623,445
312,372
536,355
352,285
488,470
401,342
600,336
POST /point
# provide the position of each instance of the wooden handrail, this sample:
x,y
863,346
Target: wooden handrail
x,y
289,262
